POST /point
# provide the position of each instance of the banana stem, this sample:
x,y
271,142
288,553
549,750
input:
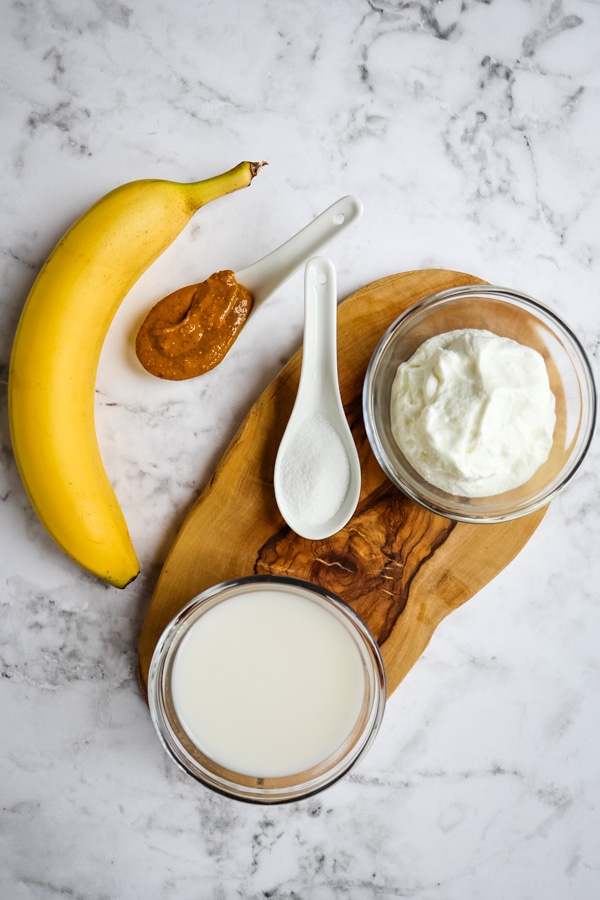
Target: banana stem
x,y
202,192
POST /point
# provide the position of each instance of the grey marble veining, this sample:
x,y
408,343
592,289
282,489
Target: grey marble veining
x,y
470,130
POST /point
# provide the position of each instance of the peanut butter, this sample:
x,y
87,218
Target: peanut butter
x,y
191,330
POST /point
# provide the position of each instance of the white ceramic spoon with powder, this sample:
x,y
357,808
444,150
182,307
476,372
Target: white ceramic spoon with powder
x,y
317,470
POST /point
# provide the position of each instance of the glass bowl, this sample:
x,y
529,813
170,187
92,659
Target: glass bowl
x,y
266,689
508,313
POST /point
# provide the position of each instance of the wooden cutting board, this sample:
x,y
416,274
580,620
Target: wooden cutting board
x,y
401,568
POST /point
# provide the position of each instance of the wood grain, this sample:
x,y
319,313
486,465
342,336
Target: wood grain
x,y
401,568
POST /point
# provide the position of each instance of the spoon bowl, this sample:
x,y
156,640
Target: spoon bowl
x,y
317,473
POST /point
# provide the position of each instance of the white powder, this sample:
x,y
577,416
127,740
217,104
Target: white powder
x,y
315,473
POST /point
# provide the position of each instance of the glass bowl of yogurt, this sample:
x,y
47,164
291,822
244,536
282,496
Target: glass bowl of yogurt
x,y
267,688
479,403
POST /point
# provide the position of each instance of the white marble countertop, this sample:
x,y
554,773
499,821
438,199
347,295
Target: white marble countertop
x,y
470,130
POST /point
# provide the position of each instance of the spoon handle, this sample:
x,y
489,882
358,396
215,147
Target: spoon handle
x,y
319,372
262,278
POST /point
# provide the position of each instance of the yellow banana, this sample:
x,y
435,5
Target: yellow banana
x,y
56,352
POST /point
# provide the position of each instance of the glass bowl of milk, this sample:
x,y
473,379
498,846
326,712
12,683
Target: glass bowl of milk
x,y
267,688
479,403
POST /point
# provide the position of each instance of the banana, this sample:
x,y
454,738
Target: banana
x,y
55,357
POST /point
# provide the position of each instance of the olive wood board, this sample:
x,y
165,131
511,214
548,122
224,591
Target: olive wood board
x,y
401,568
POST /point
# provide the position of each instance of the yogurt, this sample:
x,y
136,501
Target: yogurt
x,y
268,683
473,412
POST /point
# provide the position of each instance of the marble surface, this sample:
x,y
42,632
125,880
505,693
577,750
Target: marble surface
x,y
470,130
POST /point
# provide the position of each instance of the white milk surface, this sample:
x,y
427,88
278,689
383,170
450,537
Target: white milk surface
x,y
268,683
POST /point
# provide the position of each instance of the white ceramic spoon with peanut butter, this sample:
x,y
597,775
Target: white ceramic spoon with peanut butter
x,y
191,330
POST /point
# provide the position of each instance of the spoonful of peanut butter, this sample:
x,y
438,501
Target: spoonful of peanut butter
x,y
191,330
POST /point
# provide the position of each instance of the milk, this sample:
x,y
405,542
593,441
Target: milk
x,y
268,683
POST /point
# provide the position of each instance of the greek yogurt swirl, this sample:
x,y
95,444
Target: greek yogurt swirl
x,y
473,412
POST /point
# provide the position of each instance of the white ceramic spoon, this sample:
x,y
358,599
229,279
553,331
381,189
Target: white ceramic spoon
x,y
262,278
318,395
